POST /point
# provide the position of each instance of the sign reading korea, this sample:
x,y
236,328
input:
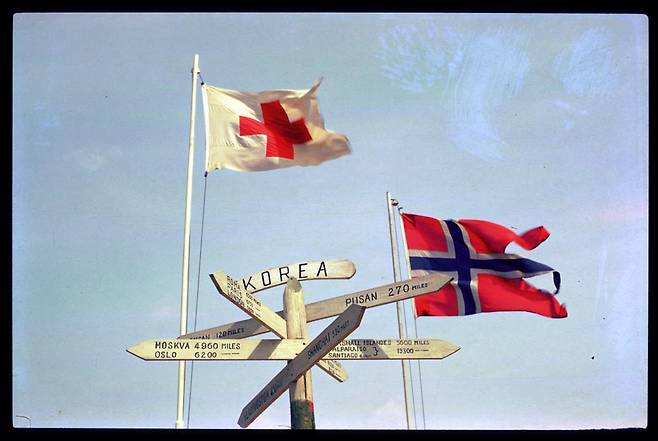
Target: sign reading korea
x,y
232,290
369,298
311,270
331,336
246,349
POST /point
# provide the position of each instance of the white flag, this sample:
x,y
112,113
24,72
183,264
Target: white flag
x,y
267,130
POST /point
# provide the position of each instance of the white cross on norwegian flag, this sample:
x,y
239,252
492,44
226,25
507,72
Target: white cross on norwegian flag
x,y
267,130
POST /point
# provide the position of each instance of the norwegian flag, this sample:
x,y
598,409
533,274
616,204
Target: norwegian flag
x,y
485,278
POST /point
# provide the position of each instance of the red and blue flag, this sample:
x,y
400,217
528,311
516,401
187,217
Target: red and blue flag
x,y
485,278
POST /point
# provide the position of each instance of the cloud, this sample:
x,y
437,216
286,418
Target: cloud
x,y
388,415
164,313
588,66
45,122
89,160
475,73
412,56
623,211
493,69
92,159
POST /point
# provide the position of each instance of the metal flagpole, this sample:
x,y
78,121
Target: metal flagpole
x,y
186,248
408,402
413,309
406,255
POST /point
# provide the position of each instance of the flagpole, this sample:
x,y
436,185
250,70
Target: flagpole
x,y
413,309
406,257
408,402
186,248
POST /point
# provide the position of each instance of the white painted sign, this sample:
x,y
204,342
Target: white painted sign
x,y
390,349
231,289
369,298
246,349
331,336
311,270
225,349
382,295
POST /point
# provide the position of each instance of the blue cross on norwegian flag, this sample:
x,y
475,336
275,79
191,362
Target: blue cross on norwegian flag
x,y
485,278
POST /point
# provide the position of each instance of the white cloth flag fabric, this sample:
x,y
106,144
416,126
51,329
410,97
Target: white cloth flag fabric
x,y
267,130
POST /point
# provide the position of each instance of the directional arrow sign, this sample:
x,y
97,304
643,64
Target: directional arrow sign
x,y
225,349
378,349
311,270
232,290
382,295
369,298
245,349
331,336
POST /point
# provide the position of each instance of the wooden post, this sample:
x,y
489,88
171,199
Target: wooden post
x,y
301,391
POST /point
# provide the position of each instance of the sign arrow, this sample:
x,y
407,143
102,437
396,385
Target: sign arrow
x,y
331,336
310,270
250,349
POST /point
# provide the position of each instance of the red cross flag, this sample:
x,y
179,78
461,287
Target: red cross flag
x,y
267,130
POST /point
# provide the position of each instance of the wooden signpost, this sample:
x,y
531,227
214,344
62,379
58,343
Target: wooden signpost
x,y
227,342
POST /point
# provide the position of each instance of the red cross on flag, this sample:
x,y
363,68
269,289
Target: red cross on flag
x,y
267,130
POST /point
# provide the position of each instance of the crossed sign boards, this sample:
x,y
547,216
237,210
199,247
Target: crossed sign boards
x,y
226,342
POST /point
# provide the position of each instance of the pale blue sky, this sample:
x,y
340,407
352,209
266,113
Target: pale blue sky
x,y
523,120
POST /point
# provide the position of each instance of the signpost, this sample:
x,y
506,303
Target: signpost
x,y
227,342
330,337
369,298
